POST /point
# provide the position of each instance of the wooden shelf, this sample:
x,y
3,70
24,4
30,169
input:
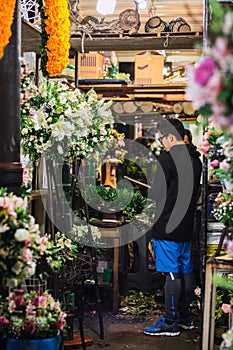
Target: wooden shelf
x,y
31,41
31,38
136,42
161,91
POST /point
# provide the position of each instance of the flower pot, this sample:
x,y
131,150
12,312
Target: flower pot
x,y
228,185
34,344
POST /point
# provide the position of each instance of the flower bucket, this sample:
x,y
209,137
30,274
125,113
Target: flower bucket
x,y
227,185
34,344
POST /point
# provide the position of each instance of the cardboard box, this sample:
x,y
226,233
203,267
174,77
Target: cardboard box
x,y
148,69
90,65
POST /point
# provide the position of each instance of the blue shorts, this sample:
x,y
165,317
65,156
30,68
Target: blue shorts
x,y
172,256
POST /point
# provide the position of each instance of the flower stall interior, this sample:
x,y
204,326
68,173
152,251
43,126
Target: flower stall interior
x,y
79,151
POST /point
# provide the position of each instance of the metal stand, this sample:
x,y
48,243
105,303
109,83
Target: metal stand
x,y
215,264
77,169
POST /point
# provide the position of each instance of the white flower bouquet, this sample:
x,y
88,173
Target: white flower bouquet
x,y
62,121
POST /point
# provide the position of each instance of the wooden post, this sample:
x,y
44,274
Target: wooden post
x,y
10,166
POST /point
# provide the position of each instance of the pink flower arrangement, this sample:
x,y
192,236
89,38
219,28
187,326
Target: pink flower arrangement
x,y
210,81
20,240
34,315
217,147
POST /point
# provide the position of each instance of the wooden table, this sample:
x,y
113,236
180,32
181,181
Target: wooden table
x,y
220,264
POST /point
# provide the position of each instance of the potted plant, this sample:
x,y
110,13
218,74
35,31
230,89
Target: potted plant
x,y
32,320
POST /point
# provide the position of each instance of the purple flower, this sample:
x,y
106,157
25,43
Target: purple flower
x,y
29,327
19,300
32,111
204,71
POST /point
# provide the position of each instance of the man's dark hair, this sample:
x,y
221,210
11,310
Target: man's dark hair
x,y
189,134
171,125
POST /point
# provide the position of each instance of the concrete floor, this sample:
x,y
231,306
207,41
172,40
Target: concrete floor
x,y
120,335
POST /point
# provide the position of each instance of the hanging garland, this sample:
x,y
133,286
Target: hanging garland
x,y
55,25
6,19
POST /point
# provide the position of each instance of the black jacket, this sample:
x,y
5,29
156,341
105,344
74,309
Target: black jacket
x,y
175,189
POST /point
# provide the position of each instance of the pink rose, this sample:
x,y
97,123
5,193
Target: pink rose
x,y
204,71
224,165
226,308
220,48
204,147
214,163
197,291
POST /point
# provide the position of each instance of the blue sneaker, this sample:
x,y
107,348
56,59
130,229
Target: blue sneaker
x,y
162,328
186,323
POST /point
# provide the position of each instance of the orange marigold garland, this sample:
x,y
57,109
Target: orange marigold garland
x,y
6,19
55,25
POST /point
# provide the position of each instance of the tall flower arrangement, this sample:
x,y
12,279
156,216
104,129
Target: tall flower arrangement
x,y
210,82
62,121
55,25
6,19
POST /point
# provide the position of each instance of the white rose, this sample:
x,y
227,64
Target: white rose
x,y
30,269
21,234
